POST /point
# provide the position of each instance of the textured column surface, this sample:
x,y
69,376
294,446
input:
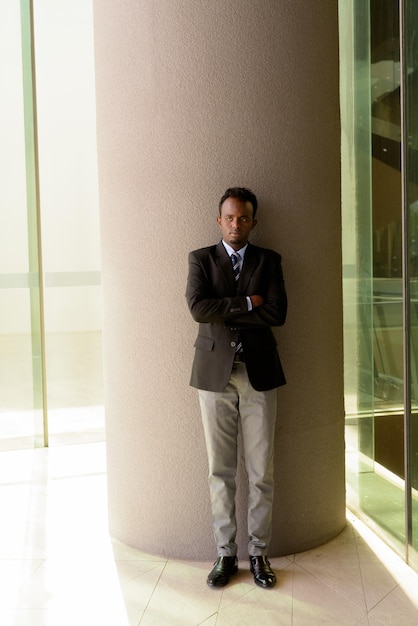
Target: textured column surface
x,y
193,97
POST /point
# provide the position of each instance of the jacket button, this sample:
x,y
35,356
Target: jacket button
x,y
233,344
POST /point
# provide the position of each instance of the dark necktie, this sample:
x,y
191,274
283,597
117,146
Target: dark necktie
x,y
235,266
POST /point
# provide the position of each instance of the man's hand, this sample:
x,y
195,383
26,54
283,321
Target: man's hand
x,y
256,301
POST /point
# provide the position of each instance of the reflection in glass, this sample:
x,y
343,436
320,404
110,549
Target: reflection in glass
x,y
411,206
373,290
380,249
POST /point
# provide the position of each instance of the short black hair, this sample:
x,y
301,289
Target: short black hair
x,y
246,195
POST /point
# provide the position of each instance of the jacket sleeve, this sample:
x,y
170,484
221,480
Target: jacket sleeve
x,y
204,304
274,310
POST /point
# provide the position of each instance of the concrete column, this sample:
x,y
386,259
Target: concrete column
x,y
193,97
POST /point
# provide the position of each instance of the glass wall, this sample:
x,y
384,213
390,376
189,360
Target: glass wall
x,y
21,393
380,251
51,387
410,191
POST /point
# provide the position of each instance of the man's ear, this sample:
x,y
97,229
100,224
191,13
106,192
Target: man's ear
x,y
218,219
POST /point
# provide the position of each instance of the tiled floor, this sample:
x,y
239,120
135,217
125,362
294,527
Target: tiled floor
x,y
58,566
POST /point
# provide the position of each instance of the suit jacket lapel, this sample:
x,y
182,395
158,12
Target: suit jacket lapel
x,y
248,268
225,266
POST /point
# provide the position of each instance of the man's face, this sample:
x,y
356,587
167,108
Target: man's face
x,y
236,222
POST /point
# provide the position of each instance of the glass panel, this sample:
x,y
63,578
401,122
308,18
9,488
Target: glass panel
x,y
70,218
18,416
372,251
387,500
411,200
74,364
64,291
357,250
13,238
21,390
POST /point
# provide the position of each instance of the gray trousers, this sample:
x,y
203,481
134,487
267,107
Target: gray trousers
x,y
221,412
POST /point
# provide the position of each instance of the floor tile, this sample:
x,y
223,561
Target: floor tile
x,y
211,621
336,566
316,602
377,583
58,565
259,606
395,608
138,581
102,616
14,574
182,596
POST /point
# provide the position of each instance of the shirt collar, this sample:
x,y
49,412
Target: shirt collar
x,y
230,250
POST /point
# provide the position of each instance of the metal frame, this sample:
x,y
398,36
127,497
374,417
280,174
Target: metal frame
x,y
34,212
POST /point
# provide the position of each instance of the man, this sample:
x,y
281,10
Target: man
x,y
235,290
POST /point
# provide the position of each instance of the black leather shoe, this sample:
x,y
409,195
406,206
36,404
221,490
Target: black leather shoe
x,y
224,567
263,574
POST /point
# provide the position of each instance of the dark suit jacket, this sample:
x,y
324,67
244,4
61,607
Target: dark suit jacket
x,y
220,307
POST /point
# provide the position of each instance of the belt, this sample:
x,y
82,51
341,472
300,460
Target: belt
x,y
239,357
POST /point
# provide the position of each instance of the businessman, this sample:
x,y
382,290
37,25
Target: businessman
x,y
235,291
